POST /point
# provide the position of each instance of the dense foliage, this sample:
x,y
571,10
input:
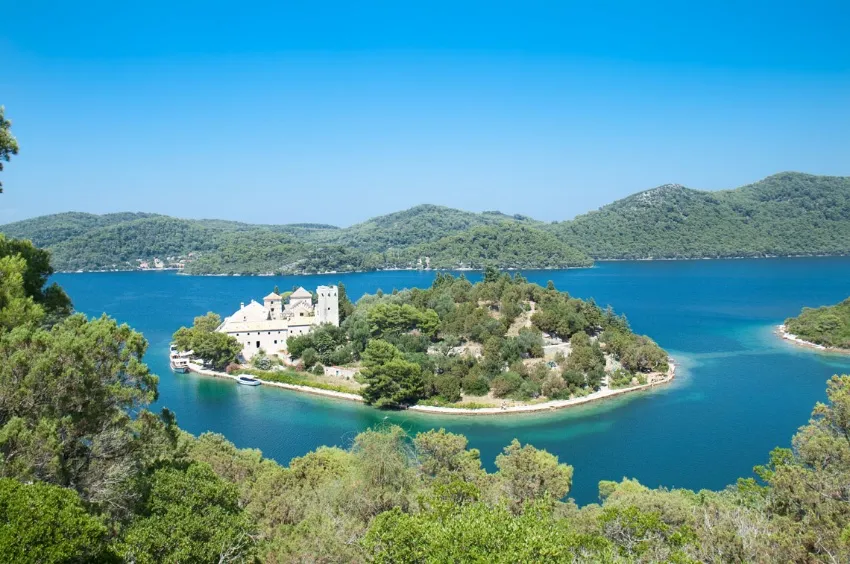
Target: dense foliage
x,y
217,350
784,214
826,325
506,245
459,339
8,143
88,474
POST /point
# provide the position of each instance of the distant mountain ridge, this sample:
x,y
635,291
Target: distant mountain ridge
x,y
784,214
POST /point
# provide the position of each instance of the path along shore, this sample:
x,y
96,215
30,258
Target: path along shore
x,y
783,332
508,410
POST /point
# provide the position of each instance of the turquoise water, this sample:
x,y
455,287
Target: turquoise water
x,y
740,390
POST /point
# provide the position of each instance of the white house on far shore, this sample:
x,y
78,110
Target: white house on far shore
x,y
266,326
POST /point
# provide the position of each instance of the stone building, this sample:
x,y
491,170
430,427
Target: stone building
x,y
266,326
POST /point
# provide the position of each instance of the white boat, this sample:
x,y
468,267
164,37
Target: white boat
x,y
180,364
247,380
179,361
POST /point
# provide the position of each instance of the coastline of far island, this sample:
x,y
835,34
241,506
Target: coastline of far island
x,y
826,328
501,345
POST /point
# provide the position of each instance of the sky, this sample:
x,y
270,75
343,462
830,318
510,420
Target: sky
x,y
335,112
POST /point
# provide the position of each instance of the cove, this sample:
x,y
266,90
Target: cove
x,y
740,391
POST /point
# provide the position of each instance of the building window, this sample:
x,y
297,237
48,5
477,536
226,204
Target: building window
x,y
258,344
275,341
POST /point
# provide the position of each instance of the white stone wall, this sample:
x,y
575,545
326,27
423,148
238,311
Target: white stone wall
x,y
295,330
327,307
270,341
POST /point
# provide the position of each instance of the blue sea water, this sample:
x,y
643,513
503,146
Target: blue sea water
x,y
740,391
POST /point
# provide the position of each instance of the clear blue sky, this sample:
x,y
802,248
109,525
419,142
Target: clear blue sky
x,y
338,111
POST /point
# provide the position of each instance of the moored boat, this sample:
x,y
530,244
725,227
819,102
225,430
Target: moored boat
x,y
179,364
179,361
247,380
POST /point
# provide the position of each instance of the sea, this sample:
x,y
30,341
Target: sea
x,y
740,391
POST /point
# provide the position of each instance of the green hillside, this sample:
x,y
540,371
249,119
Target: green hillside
x,y
48,230
784,214
414,226
508,245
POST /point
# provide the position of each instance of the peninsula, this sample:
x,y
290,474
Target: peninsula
x,y
502,345
824,328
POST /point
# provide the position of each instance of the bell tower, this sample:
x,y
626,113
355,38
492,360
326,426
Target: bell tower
x,y
327,308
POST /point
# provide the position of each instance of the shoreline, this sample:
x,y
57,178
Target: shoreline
x,y
462,269
551,405
784,334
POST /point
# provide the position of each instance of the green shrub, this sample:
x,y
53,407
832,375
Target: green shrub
x,y
506,384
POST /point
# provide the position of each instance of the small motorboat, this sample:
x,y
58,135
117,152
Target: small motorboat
x,y
247,380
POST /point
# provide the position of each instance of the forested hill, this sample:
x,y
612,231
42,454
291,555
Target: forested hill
x,y
399,240
784,214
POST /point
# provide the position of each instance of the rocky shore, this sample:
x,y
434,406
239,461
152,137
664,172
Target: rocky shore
x,y
506,410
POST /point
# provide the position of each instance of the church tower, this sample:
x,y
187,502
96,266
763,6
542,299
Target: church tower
x,y
327,308
274,306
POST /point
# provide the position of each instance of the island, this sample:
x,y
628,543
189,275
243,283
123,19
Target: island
x,y
502,345
824,328
772,217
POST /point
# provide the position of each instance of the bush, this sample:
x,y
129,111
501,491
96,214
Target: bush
x,y
553,386
447,387
475,385
309,357
261,361
574,379
506,384
232,367
529,390
318,369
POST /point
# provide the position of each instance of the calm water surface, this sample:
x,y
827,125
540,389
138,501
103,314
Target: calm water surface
x,y
740,391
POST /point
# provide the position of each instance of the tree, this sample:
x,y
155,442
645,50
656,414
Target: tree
x,y
395,383
207,323
309,357
378,352
41,523
808,485
216,349
8,143
528,474
442,453
553,386
505,384
190,515
66,395
447,387
346,308
34,275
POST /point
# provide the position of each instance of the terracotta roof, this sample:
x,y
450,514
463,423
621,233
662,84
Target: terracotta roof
x,y
271,297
